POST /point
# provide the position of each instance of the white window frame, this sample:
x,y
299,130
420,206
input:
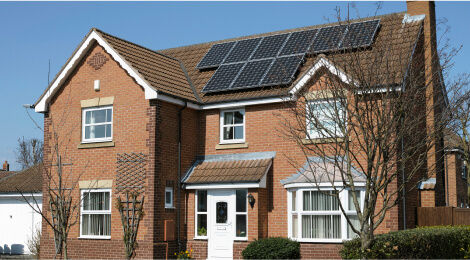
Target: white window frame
x,y
197,213
343,196
221,126
82,191
313,134
464,170
245,238
97,140
169,205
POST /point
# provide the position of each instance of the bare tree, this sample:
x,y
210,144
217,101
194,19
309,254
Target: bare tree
x,y
60,204
29,152
370,122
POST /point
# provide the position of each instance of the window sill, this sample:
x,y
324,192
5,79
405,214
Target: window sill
x,y
231,146
322,241
240,239
172,207
200,238
323,140
95,237
96,145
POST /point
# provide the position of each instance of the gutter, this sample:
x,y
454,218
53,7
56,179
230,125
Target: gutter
x,y
178,198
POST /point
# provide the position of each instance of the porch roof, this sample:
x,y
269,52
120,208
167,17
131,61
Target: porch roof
x,y
230,168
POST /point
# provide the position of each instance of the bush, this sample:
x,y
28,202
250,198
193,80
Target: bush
x,y
272,248
427,242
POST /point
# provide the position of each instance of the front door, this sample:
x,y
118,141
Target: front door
x,y
221,209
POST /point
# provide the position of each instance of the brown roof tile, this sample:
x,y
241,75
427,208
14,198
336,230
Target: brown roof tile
x,y
398,37
162,72
29,180
229,171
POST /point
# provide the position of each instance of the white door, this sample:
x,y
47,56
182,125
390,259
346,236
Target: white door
x,y
221,229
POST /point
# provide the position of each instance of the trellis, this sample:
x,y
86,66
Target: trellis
x,y
131,169
130,181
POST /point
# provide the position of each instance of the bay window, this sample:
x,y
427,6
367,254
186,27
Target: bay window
x,y
97,124
232,126
95,213
315,216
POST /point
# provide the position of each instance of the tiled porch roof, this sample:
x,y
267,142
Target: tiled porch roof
x,y
231,168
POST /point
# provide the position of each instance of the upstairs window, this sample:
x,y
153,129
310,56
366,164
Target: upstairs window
x,y
97,124
232,126
325,119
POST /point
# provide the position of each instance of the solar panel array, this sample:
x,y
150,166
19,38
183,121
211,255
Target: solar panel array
x,y
274,60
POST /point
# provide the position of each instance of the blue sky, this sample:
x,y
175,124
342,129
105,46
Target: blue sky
x,y
34,32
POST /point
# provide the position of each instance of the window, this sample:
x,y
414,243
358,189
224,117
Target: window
x,y
97,124
464,170
169,197
241,213
201,214
324,119
315,216
232,126
95,214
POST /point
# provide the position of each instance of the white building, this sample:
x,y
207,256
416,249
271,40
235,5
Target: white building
x,y
18,221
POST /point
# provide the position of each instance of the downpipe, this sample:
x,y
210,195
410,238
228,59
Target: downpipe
x,y
178,198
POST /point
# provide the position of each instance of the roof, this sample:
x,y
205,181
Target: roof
x,y
173,72
164,73
399,37
318,170
29,180
231,168
428,184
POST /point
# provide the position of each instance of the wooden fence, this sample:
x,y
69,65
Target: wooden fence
x,y
441,216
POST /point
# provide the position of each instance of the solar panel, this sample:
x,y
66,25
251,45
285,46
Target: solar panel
x,y
270,46
282,71
360,34
328,38
215,55
252,74
298,42
242,50
223,77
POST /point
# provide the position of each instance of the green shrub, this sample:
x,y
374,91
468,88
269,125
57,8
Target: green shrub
x,y
272,248
427,242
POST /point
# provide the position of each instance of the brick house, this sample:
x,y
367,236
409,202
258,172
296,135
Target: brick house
x,y
214,177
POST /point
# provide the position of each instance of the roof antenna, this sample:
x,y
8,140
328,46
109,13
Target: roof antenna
x,y
348,13
49,73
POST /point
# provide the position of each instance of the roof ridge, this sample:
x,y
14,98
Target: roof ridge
x,y
280,31
133,43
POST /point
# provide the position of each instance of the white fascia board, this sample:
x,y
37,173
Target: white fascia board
x,y
177,101
243,103
322,62
18,195
314,185
222,186
150,93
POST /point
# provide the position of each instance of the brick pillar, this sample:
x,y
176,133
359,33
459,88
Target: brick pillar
x,y
434,96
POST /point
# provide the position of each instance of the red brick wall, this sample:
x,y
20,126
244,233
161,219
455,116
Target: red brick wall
x,y
427,198
139,125
456,186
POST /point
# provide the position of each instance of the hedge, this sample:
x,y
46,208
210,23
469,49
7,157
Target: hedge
x,y
272,248
427,242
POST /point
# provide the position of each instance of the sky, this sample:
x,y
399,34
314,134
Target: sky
x,y
35,32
